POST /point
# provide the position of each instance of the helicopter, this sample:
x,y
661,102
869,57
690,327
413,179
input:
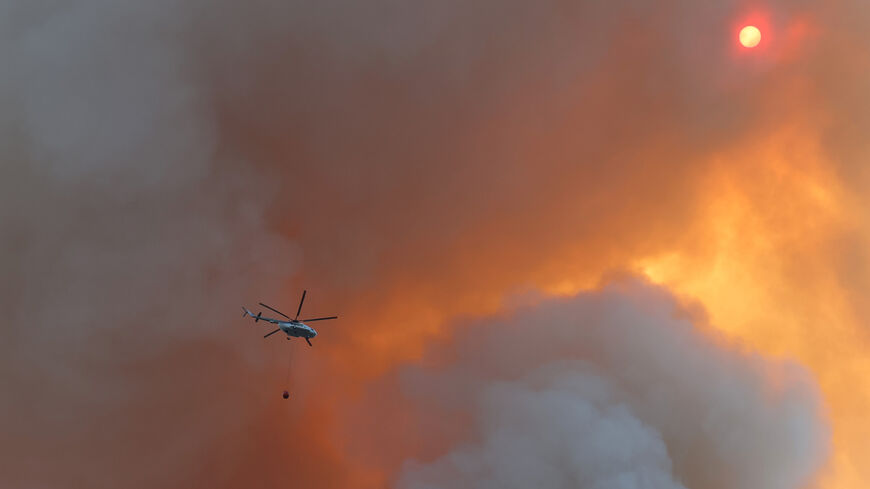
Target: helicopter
x,y
292,327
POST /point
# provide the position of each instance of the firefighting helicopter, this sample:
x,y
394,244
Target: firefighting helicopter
x,y
292,327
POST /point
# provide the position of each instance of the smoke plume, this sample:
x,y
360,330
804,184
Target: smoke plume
x,y
164,162
610,389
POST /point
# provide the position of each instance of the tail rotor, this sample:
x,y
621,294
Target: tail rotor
x,y
248,313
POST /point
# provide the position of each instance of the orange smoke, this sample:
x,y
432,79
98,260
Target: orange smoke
x,y
761,232
411,167
765,260
768,252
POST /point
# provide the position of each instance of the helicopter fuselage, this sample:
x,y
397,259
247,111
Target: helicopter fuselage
x,y
297,329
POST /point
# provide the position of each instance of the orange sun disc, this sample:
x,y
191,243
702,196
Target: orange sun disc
x,y
750,36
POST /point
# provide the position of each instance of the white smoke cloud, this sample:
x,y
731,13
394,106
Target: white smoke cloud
x,y
615,390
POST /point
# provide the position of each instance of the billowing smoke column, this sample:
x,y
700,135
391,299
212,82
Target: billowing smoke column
x,y
165,161
616,389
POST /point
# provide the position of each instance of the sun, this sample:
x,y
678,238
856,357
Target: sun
x,y
750,36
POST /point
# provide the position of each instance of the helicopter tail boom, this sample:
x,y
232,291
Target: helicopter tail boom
x,y
259,316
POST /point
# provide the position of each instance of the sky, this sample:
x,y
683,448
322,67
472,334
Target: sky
x,y
571,244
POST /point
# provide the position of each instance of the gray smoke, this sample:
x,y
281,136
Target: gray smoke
x,y
128,239
163,161
614,390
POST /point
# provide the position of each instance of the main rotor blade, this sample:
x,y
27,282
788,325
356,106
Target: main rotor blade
x,y
272,308
319,319
273,332
298,311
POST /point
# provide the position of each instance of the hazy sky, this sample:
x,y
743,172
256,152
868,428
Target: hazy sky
x,y
572,244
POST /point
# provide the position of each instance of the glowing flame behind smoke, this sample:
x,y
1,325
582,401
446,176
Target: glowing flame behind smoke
x,y
773,261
